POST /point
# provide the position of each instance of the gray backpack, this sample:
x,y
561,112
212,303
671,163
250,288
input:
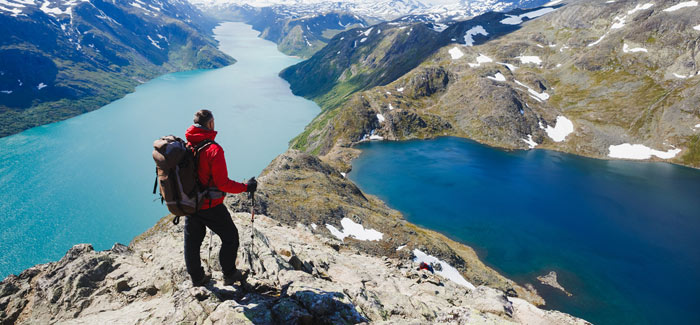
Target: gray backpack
x,y
176,169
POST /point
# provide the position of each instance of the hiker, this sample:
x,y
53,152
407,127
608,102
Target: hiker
x,y
212,214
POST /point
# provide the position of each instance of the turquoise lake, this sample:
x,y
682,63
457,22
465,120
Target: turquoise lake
x,y
624,237
89,179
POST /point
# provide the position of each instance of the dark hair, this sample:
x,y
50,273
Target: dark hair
x,y
202,117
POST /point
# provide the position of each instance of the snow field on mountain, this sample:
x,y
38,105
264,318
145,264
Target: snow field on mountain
x,y
356,230
476,30
479,60
455,53
517,20
681,5
561,129
448,271
531,143
497,77
639,152
627,49
533,93
529,59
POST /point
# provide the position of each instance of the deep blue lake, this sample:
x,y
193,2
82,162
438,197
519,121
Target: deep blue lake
x,y
89,179
624,237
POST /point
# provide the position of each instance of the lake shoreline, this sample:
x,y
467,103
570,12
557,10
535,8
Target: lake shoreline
x,y
528,274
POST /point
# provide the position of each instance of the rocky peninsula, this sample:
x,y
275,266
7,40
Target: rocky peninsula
x,y
300,276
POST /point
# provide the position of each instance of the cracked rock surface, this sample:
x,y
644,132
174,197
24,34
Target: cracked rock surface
x,y
327,282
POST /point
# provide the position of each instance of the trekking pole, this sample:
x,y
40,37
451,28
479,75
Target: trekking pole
x,y
209,258
252,230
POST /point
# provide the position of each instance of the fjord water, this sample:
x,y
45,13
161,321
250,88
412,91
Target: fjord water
x,y
622,236
89,179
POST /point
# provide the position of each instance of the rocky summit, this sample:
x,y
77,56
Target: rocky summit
x,y
297,276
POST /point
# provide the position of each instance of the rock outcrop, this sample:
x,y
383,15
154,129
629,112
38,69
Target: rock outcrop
x,y
300,276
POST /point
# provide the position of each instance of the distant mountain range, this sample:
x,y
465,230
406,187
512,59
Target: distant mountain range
x,y
303,27
59,59
385,10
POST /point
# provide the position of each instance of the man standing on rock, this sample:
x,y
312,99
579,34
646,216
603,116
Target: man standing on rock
x,y
212,171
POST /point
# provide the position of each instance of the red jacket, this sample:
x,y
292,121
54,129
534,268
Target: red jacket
x,y
212,165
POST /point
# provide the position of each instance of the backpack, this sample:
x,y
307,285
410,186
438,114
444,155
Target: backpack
x,y
176,169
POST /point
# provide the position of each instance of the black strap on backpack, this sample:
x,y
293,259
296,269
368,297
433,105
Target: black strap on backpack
x,y
196,150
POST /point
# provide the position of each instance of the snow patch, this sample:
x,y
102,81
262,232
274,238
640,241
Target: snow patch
x,y
561,129
476,30
696,27
539,96
41,86
682,5
353,229
680,76
448,271
697,126
551,3
640,8
367,32
456,53
639,151
627,49
313,225
399,90
618,22
400,247
363,39
508,65
381,118
498,77
343,174
479,60
529,59
530,143
376,137
598,41
153,42
517,20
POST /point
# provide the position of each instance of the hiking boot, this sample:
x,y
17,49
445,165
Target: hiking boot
x,y
234,277
202,282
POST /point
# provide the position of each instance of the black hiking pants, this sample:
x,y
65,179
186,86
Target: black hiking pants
x,y
219,221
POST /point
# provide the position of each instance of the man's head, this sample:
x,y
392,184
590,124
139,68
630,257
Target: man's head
x,y
205,118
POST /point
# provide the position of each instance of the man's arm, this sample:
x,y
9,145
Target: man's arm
x,y
219,173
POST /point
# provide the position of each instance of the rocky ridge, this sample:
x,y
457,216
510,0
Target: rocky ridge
x,y
300,276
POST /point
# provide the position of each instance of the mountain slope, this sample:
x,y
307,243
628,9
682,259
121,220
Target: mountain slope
x,y
59,59
607,80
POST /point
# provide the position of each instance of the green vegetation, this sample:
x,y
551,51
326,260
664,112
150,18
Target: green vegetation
x,y
692,155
